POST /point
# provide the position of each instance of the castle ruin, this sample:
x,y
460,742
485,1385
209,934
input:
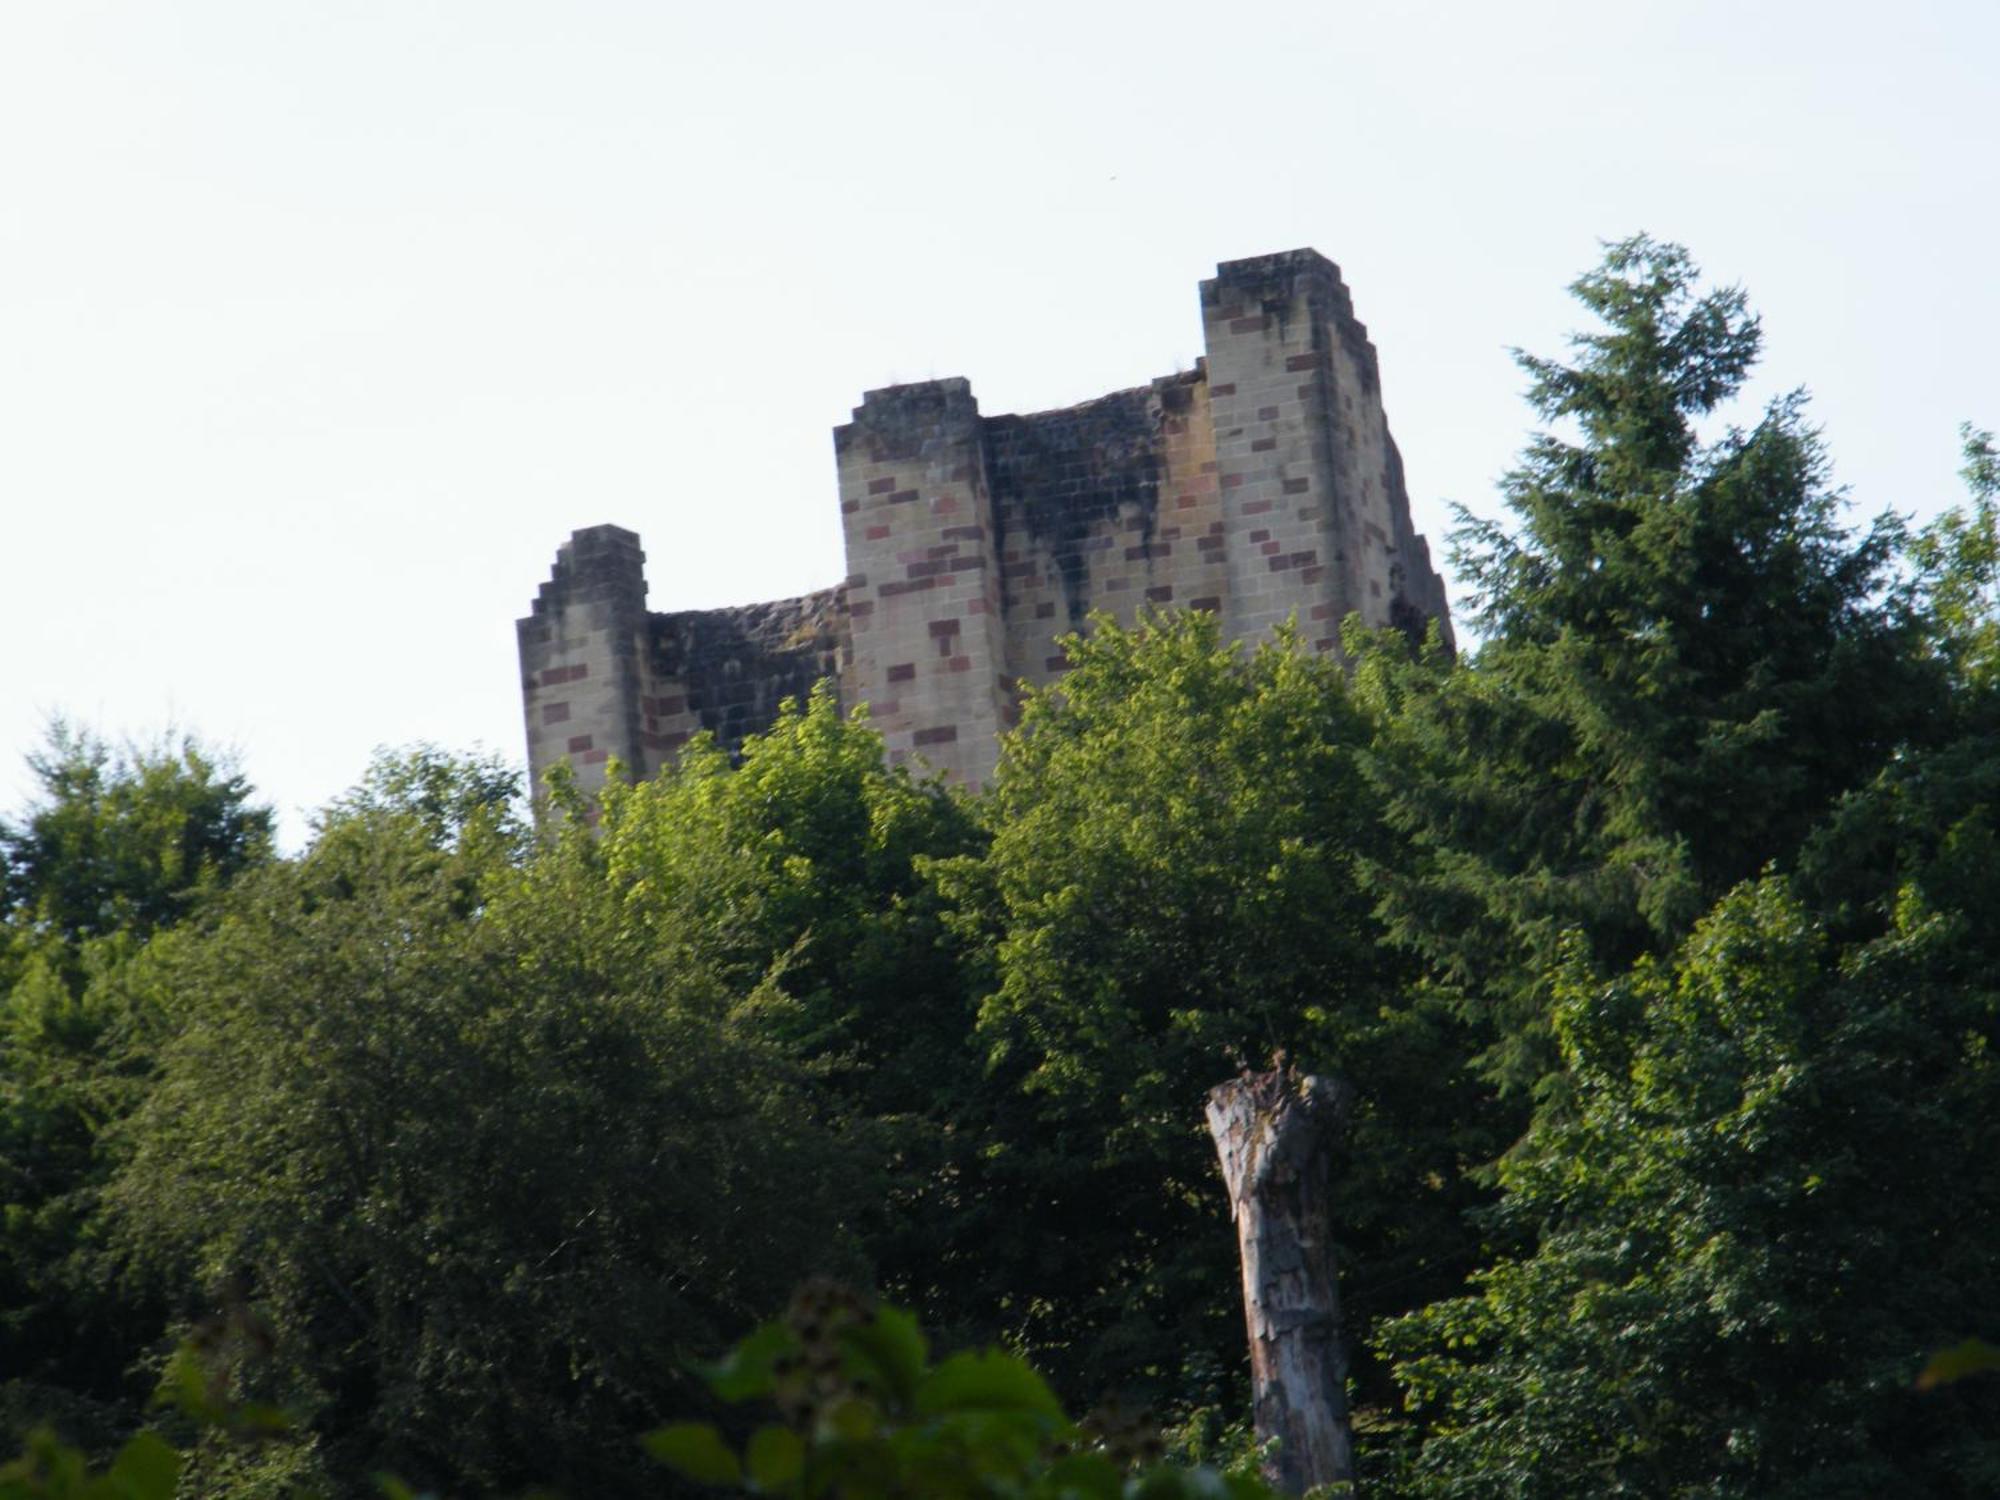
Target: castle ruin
x,y
1262,486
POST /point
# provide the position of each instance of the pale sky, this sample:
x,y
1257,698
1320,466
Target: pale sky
x,y
321,325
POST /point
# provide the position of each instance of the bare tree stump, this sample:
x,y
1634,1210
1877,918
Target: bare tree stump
x,y
1274,1132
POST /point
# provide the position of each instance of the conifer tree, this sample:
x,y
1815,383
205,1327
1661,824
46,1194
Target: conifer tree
x,y
1686,659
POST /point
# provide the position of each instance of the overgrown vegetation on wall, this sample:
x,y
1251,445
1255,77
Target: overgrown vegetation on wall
x,y
1658,938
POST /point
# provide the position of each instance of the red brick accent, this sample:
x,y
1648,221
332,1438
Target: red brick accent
x,y
943,734
554,713
944,627
578,742
1264,445
1161,594
1302,362
916,586
1208,602
1260,536
877,533
1297,486
1246,325
1233,481
1227,388
596,757
1267,413
881,486
903,671
902,497
960,664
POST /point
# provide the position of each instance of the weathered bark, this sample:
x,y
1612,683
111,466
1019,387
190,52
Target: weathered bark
x,y
1274,1132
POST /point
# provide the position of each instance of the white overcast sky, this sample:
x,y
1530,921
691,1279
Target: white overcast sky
x,y
321,325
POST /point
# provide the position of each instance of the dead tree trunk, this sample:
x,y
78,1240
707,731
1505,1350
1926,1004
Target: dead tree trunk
x,y
1274,1132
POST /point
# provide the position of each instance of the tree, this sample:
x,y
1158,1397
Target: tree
x,y
1687,661
120,841
1172,890
488,1178
1274,1134
1959,556
801,863
863,1414
1770,1195
119,845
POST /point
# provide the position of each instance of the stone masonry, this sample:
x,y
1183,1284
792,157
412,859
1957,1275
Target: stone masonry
x,y
1261,486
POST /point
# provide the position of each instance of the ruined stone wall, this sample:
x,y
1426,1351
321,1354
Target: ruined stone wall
x,y
1263,485
923,578
727,670
1108,506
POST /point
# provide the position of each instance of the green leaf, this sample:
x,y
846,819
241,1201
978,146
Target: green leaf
x,y
890,1347
988,1381
775,1459
745,1372
851,1421
1973,1357
147,1468
695,1450
1089,1475
258,1419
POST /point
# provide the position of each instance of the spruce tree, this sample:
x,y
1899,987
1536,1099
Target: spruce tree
x,y
1686,659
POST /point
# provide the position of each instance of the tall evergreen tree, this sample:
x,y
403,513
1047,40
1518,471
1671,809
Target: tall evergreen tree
x,y
1686,660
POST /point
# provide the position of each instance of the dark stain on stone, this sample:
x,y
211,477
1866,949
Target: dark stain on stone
x,y
1062,476
737,665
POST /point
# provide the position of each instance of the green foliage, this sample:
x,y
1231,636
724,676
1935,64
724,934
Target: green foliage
x,y
488,1180
1768,1190
1687,660
118,845
802,865
801,872
146,1468
121,841
1964,1359
1172,893
864,1415
1959,559
450,1145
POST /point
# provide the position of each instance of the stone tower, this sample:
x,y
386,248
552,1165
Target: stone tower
x,y
1262,486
